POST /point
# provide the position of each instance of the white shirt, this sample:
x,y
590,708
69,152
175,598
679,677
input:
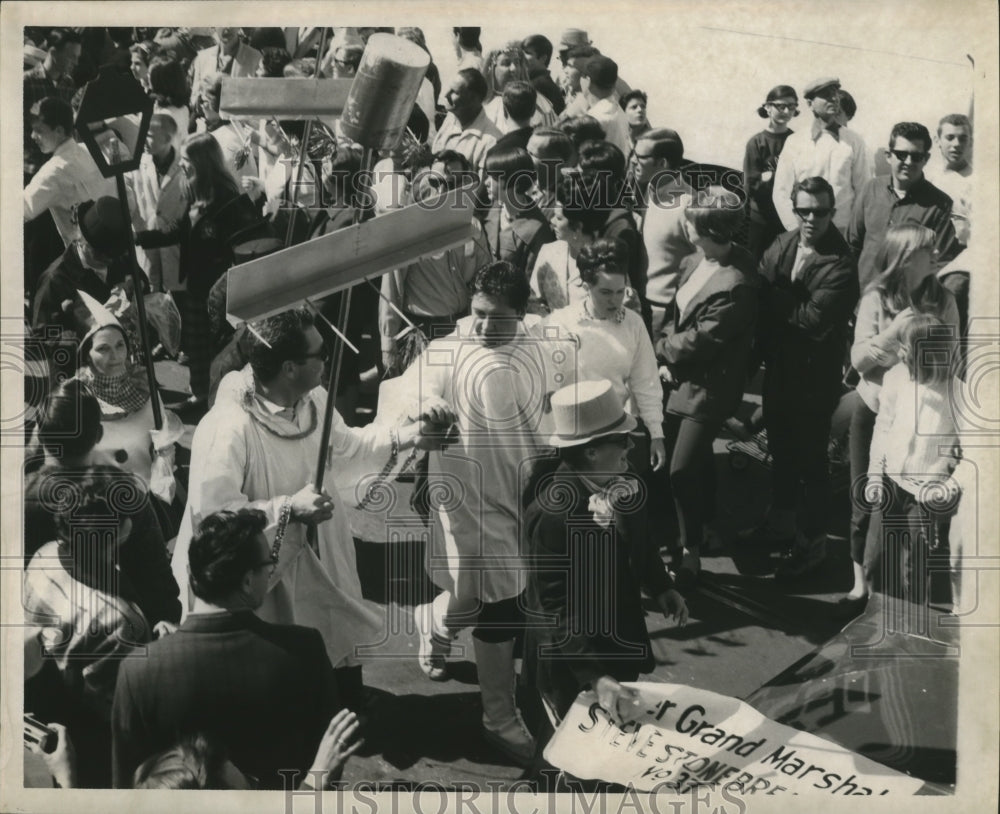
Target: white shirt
x,y
615,123
802,253
844,162
695,283
67,179
957,185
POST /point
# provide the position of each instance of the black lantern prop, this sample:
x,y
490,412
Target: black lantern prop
x,y
113,121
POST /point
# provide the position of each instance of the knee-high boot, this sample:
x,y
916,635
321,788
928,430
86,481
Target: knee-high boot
x,y
502,722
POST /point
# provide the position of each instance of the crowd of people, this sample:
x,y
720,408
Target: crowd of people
x,y
570,367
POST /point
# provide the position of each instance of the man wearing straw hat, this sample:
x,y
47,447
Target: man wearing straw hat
x,y
584,528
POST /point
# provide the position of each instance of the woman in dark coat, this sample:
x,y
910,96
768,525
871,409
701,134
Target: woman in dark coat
x,y
704,354
218,214
585,536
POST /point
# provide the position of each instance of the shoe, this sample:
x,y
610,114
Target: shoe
x,y
503,726
766,536
513,739
806,557
433,648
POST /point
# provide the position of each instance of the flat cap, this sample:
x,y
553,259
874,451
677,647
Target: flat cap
x,y
817,85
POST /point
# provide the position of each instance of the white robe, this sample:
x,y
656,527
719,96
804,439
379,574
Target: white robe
x,y
499,395
237,463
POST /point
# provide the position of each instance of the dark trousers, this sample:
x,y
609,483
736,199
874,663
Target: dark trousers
x,y
196,339
798,433
692,474
899,541
860,442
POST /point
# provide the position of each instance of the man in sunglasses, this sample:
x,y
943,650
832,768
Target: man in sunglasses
x,y
827,150
811,290
904,195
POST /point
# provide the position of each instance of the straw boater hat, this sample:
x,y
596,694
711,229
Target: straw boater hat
x,y
588,410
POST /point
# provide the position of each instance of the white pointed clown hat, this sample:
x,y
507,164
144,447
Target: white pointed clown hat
x,y
91,315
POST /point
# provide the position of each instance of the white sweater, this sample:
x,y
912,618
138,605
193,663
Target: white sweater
x,y
916,433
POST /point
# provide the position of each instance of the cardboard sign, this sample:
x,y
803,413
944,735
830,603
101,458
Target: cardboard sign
x,y
681,738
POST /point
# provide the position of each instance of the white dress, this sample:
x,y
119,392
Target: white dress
x,y
499,395
240,461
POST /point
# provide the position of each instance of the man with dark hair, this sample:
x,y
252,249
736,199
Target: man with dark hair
x,y
828,150
51,77
69,177
904,195
550,150
467,129
468,48
654,167
602,167
519,100
474,556
598,85
811,289
953,174
581,129
264,692
257,448
537,55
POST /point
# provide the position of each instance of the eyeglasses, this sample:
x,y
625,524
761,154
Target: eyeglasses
x,y
816,212
323,354
902,155
783,107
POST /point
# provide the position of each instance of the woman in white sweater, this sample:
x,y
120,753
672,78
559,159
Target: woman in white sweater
x,y
906,286
915,448
609,341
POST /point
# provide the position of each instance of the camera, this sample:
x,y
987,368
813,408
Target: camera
x,y
35,732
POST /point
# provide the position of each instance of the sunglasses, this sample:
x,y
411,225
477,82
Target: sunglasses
x,y
783,107
902,155
816,212
323,354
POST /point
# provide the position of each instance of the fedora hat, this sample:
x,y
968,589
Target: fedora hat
x,y
585,411
103,227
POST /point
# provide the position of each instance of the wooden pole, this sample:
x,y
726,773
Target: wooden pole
x,y
367,162
138,288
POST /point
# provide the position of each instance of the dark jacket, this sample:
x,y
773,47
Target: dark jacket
x,y
207,245
620,225
142,559
264,692
802,332
568,554
543,82
708,350
519,243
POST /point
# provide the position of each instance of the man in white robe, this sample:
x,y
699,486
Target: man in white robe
x,y
258,448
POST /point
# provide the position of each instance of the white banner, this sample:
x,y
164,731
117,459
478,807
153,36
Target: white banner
x,y
682,738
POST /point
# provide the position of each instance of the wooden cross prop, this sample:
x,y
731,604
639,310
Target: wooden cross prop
x,y
336,261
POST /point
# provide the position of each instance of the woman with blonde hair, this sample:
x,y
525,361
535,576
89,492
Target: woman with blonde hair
x,y
905,286
504,65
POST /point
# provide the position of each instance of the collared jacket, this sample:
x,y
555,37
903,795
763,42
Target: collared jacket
x,y
158,202
584,580
802,331
708,347
877,208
